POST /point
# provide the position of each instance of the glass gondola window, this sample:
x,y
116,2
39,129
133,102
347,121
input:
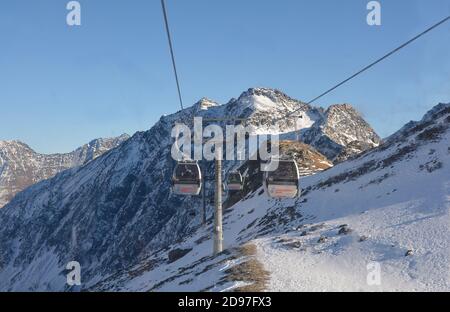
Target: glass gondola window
x,y
283,182
234,178
235,181
187,179
187,172
286,171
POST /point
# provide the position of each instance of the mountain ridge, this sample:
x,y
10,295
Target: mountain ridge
x,y
21,166
387,207
118,208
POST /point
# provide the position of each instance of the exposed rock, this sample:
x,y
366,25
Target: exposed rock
x,y
322,239
363,238
176,254
357,136
20,166
293,244
344,230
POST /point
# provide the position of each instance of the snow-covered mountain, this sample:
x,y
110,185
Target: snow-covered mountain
x,y
386,211
116,210
21,166
337,132
341,133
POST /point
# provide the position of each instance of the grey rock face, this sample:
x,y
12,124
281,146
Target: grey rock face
x,y
20,166
341,133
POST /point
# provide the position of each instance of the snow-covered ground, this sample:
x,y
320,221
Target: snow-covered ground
x,y
387,207
379,222
117,210
403,208
415,217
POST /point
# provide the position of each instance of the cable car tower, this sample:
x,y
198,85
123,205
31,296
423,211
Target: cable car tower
x,y
218,213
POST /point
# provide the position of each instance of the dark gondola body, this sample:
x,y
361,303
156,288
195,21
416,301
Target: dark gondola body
x,y
284,181
187,178
235,181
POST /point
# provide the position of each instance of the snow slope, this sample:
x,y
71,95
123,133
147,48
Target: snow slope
x,y
398,202
117,211
408,210
389,206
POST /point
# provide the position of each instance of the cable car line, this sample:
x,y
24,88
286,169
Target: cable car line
x,y
375,62
169,38
282,183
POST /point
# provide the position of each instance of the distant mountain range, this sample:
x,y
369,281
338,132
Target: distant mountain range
x,y
117,216
21,166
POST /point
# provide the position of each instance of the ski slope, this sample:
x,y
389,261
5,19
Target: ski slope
x,y
389,206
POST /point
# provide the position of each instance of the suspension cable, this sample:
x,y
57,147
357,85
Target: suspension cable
x,y
324,93
374,63
169,38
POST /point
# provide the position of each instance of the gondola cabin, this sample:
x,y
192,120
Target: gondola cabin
x,y
187,178
284,181
235,182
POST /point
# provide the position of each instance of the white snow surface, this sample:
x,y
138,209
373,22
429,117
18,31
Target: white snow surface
x,y
394,201
407,208
396,196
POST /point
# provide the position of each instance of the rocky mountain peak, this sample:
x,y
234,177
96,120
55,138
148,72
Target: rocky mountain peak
x,y
341,126
21,166
437,111
13,143
273,94
428,119
270,111
205,103
345,120
265,99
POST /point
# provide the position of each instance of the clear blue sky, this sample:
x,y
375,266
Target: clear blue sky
x,y
62,86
